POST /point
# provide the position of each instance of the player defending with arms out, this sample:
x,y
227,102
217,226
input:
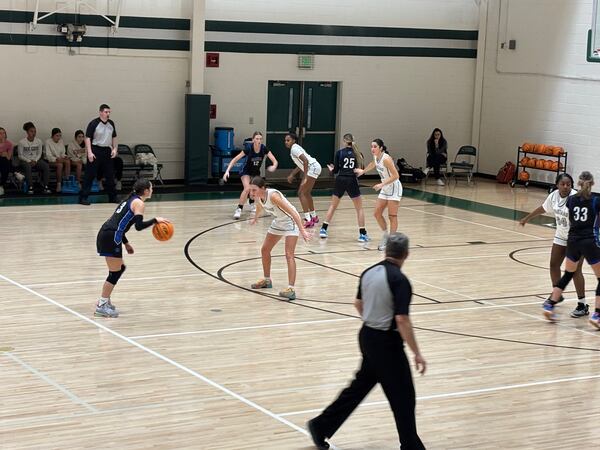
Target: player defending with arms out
x,y
111,237
583,242
287,223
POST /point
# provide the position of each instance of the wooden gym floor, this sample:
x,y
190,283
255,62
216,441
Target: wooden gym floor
x,y
198,361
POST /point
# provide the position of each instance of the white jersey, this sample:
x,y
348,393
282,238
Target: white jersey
x,y
391,191
296,151
282,223
557,206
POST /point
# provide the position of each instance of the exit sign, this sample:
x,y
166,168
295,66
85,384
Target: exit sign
x,y
306,62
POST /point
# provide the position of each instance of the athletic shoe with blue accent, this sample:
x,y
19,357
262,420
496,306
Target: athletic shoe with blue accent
x,y
288,293
580,310
323,233
549,311
595,320
363,238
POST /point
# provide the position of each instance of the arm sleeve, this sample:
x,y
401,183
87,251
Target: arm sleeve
x,y
91,128
114,133
40,151
401,291
125,240
138,221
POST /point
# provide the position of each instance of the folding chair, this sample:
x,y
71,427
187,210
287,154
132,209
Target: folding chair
x,y
145,148
464,162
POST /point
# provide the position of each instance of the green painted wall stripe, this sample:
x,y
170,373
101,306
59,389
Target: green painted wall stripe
x,y
338,30
94,42
249,47
94,20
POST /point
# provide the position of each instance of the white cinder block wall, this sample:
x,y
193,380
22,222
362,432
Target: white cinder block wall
x,y
544,91
399,99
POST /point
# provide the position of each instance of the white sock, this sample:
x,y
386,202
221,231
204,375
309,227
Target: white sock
x,y
312,214
102,301
307,216
290,286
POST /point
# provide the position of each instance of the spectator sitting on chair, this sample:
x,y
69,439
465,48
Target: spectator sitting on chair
x,y
56,156
6,154
78,154
437,153
30,151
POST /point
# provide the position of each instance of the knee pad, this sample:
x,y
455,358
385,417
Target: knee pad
x,y
598,288
113,277
565,280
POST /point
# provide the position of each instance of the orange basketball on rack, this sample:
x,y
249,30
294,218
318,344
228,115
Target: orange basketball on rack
x,y
531,162
559,151
524,161
560,166
527,146
548,164
163,231
540,148
539,164
554,165
549,150
524,176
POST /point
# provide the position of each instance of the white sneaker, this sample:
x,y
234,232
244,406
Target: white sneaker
x,y
19,176
426,171
237,214
440,182
252,207
383,243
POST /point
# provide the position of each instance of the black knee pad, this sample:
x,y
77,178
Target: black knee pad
x,y
251,200
113,277
598,288
565,280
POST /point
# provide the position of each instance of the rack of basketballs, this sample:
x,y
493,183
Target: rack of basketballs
x,y
538,157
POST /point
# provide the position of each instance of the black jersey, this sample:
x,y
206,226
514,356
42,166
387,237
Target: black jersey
x,y
345,162
583,217
253,160
121,220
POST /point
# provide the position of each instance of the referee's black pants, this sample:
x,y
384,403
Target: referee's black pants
x,y
384,362
103,162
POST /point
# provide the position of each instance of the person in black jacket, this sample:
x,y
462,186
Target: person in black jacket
x,y
437,153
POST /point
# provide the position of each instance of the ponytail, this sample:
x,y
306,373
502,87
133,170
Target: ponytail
x,y
585,183
349,139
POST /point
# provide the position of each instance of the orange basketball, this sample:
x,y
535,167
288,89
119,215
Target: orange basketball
x,y
559,151
540,148
549,150
539,164
548,164
554,165
524,176
527,147
531,162
163,231
524,161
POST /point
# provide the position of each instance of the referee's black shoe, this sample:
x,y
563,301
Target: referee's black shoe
x,y
317,438
84,201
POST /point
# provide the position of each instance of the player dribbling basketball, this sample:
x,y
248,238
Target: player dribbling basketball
x,y
111,237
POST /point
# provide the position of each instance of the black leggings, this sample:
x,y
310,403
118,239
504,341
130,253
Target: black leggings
x,y
5,166
435,160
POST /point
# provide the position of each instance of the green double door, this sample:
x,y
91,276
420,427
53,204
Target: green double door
x,y
308,108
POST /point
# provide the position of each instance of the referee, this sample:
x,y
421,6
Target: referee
x,y
101,145
384,295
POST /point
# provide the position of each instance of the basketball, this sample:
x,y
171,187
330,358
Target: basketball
x,y
531,162
554,165
548,164
539,164
524,161
524,176
540,148
527,146
163,231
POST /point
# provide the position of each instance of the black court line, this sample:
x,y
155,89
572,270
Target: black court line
x,y
515,259
357,276
452,333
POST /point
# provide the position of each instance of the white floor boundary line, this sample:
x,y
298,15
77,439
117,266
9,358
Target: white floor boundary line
x,y
51,382
476,223
462,393
252,327
159,277
154,353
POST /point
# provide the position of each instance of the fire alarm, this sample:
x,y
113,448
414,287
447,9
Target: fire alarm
x,y
212,60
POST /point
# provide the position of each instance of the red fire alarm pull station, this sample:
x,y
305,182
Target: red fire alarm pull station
x,y
212,60
213,112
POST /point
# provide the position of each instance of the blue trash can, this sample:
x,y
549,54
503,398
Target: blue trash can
x,y
224,139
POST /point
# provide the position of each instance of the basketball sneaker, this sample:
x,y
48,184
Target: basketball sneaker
x,y
440,182
237,214
288,293
110,305
263,283
106,311
580,310
252,207
595,320
363,238
315,219
308,223
317,437
383,243
549,311
323,233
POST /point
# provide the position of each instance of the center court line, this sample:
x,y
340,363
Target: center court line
x,y
154,353
463,393
51,382
253,327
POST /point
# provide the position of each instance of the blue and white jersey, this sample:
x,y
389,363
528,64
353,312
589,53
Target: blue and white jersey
x,y
121,220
